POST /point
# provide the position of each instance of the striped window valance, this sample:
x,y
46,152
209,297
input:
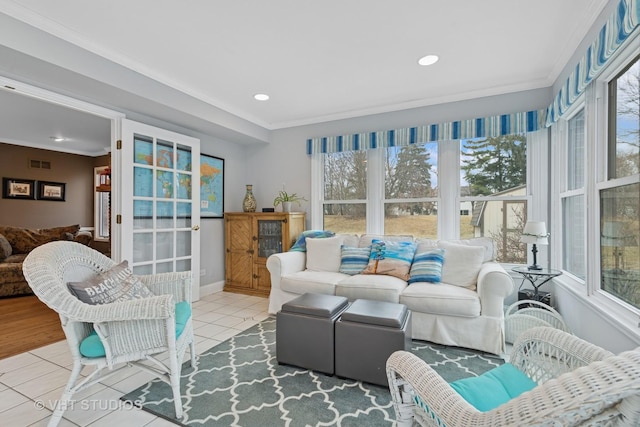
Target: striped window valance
x,y
504,124
617,29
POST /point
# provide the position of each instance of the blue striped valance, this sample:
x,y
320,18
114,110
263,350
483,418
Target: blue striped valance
x,y
619,26
484,127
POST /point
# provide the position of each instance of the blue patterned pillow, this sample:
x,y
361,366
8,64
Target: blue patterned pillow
x,y
354,260
301,244
391,258
427,266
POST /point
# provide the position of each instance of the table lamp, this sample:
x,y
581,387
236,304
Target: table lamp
x,y
535,232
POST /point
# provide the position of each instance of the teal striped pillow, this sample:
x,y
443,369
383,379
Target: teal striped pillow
x,y
354,260
427,266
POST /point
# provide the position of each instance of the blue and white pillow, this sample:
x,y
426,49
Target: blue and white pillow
x,y
301,244
354,260
391,258
427,266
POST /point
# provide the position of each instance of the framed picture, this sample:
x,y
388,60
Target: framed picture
x,y
14,188
51,191
211,186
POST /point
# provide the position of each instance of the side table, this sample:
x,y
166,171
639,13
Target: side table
x,y
537,278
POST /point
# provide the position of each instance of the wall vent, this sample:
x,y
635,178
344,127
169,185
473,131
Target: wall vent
x,y
39,164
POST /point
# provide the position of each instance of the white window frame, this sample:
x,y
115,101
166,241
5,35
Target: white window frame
x,y
595,102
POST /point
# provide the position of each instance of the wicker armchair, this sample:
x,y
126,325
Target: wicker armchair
x,y
132,332
578,384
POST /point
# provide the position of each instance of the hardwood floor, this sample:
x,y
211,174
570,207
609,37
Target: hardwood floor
x,y
27,324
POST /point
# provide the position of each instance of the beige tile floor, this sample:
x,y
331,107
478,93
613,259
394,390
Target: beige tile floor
x,y
36,378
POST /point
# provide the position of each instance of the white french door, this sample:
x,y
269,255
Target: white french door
x,y
160,201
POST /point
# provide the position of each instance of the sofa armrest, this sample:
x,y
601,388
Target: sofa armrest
x,y
285,263
494,285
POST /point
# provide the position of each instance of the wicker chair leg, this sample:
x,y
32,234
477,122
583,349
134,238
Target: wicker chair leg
x,y
174,379
192,350
64,401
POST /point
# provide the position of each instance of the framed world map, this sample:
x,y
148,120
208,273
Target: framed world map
x,y
211,186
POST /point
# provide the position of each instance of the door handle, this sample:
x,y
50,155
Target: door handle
x,y
195,228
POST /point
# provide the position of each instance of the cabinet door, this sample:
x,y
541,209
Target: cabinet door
x,y
261,278
239,251
269,236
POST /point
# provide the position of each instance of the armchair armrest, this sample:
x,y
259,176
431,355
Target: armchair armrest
x,y
544,353
176,284
494,285
157,307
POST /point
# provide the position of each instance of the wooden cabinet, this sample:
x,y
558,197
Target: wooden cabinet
x,y
250,237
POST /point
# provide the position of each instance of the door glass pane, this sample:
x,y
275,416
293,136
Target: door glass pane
x,y
183,243
142,182
164,154
164,245
184,187
142,214
164,267
164,215
143,150
184,158
183,265
142,270
184,215
349,218
164,184
419,219
142,247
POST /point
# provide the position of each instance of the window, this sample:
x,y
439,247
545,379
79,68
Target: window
x,y
620,194
493,189
572,199
345,192
410,187
444,190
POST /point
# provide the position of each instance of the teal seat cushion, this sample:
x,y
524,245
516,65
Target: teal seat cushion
x,y
493,388
91,346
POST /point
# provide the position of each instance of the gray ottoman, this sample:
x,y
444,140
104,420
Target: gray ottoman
x,y
305,331
366,335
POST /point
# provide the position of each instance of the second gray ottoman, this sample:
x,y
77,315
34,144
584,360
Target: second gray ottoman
x,y
366,335
305,331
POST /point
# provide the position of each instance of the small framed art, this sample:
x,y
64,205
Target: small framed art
x,y
51,191
15,188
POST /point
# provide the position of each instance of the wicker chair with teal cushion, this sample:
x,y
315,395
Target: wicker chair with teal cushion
x,y
113,319
553,379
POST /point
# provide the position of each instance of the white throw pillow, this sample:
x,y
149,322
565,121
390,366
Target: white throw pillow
x,y
323,253
461,264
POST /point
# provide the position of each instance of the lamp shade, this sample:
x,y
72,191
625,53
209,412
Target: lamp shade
x,y
535,232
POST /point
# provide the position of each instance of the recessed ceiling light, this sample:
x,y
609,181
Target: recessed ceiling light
x,y
428,60
57,138
261,96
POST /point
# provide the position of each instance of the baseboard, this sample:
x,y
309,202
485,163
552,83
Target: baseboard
x,y
211,288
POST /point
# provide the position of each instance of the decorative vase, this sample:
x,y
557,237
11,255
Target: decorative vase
x,y
249,202
286,206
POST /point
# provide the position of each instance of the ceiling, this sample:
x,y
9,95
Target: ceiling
x,y
318,61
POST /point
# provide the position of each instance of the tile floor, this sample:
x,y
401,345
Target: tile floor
x,y
31,382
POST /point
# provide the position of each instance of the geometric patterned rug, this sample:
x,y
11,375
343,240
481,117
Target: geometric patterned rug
x,y
240,383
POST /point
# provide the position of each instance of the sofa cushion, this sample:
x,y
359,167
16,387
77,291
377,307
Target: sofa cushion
x,y
427,266
323,254
116,284
301,244
316,282
5,248
441,299
391,258
485,242
371,286
353,260
461,264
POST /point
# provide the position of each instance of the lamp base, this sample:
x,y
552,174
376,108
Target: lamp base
x,y
534,267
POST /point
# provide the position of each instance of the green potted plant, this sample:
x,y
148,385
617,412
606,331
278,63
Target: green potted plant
x,y
287,199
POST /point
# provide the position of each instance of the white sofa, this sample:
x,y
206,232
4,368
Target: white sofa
x,y
458,314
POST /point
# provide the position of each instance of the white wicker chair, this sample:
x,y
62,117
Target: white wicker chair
x,y
132,332
578,384
527,314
